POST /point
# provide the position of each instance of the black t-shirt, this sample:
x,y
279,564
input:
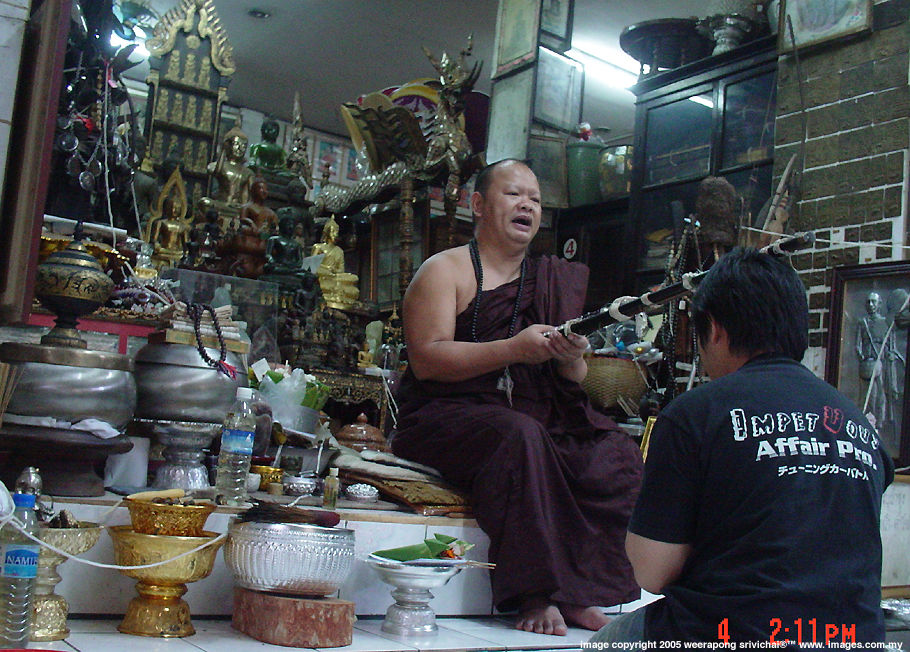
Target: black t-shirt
x,y
775,479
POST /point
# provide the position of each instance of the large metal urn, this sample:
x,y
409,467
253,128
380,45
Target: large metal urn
x,y
61,382
184,399
176,384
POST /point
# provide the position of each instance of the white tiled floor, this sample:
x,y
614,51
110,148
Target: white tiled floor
x,y
218,636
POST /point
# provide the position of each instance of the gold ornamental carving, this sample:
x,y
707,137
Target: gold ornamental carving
x,y
181,18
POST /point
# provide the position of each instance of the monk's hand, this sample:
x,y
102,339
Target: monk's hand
x,y
566,349
532,346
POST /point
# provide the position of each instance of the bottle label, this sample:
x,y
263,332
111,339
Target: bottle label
x,y
19,560
237,441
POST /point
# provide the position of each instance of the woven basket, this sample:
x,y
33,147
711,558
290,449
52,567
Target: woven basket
x,y
609,378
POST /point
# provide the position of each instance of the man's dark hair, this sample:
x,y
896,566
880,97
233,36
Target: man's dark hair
x,y
485,176
758,299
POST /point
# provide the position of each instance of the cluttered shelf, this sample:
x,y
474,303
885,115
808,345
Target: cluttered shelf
x,y
380,511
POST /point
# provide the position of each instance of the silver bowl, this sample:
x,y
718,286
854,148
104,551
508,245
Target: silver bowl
x,y
295,558
175,384
71,384
297,485
411,614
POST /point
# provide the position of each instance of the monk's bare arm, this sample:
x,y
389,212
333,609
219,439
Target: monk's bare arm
x,y
430,306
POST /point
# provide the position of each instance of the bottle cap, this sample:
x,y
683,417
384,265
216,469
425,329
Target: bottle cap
x,y
244,393
29,481
333,471
24,500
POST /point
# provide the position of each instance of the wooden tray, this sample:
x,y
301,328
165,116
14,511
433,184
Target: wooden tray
x,y
403,491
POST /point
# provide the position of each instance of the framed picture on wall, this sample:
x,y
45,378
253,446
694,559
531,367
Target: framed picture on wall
x,y
547,157
516,34
556,24
867,346
510,116
816,21
329,156
557,97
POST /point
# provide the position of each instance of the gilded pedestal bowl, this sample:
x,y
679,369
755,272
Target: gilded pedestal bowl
x,y
159,610
49,610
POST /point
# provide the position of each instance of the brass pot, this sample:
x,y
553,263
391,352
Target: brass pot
x,y
159,610
71,283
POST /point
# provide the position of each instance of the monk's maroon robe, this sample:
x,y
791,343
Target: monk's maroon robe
x,y
552,481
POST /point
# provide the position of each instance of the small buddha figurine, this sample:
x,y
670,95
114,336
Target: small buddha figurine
x,y
268,153
283,254
254,214
169,234
233,176
168,230
339,288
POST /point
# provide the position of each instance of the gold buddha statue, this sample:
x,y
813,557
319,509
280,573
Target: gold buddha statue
x,y
339,288
168,229
233,176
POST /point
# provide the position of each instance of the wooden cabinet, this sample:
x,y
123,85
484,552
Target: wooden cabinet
x,y
715,117
597,235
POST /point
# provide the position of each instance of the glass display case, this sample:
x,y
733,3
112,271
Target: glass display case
x,y
711,117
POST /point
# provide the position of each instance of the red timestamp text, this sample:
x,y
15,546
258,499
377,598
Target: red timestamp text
x,y
799,630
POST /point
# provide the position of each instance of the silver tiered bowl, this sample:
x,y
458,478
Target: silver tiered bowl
x,y
411,614
183,442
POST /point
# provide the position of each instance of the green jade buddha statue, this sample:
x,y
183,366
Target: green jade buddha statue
x,y
268,153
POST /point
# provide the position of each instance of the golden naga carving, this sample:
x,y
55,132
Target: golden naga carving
x,y
448,144
182,17
395,146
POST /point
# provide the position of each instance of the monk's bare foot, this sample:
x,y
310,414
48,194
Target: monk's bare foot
x,y
541,617
588,617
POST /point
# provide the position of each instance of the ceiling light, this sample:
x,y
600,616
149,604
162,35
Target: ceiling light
x,y
261,14
606,72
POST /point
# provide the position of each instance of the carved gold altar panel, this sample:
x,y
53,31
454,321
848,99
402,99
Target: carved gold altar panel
x,y
191,67
355,388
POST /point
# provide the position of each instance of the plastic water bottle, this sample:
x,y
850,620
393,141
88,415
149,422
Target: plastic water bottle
x,y
237,436
17,576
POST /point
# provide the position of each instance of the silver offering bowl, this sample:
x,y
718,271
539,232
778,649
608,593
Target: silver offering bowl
x,y
411,614
49,610
184,442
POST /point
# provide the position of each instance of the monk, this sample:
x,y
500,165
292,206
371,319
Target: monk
x,y
492,399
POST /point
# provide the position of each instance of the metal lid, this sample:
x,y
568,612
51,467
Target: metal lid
x,y
182,355
64,356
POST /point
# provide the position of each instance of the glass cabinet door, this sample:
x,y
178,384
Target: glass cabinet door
x,y
678,137
748,129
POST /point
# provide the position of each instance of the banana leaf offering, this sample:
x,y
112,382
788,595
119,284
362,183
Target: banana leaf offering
x,y
441,546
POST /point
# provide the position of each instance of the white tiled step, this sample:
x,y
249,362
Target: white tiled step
x,y
465,634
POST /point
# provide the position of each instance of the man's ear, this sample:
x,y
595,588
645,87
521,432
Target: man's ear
x,y
717,334
476,204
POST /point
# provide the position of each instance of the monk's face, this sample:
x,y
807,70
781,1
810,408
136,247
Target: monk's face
x,y
510,209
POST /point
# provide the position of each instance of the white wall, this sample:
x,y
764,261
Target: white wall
x,y
13,16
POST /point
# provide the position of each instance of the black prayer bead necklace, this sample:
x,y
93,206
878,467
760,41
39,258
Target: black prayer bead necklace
x,y
195,311
505,383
